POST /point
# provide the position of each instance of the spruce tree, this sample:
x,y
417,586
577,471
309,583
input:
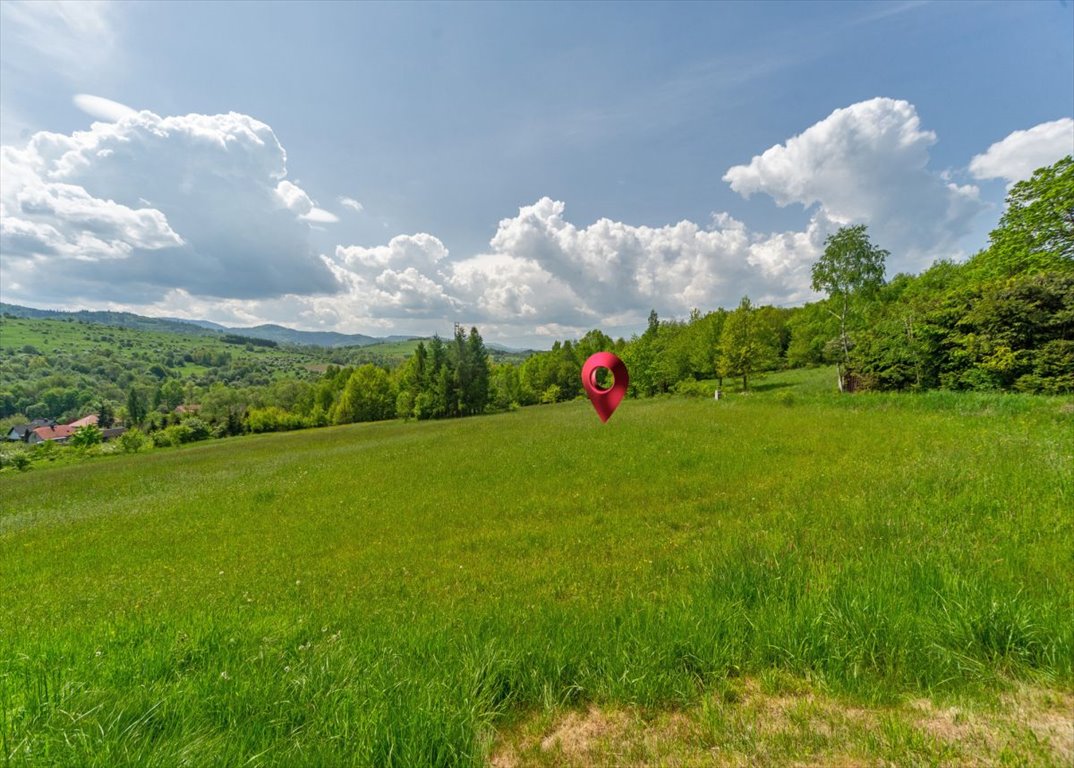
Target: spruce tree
x,y
477,393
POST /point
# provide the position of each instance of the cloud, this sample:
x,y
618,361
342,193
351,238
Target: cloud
x,y
350,202
146,205
1022,152
868,163
400,280
100,107
543,272
194,217
299,203
48,46
70,38
610,267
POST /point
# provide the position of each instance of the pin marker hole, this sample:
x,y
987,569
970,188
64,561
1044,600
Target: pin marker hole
x,y
602,379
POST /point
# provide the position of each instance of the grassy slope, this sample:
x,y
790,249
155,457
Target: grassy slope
x,y
390,593
51,335
147,347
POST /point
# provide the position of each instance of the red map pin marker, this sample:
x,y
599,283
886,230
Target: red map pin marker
x,y
605,401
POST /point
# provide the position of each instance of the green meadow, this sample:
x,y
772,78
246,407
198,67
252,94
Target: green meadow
x,y
536,588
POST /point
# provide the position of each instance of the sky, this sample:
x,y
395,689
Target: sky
x,y
536,170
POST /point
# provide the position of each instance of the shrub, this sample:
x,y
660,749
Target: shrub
x,y
177,434
273,419
132,441
162,439
691,388
424,406
551,395
14,456
87,436
47,450
199,430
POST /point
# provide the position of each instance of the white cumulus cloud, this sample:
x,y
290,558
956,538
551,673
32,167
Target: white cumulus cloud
x,y
145,205
868,163
298,202
402,279
543,271
194,216
1022,152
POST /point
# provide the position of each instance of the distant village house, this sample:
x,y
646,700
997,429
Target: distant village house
x,y
46,430
21,432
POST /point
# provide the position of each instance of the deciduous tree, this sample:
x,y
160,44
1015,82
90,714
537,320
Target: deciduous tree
x,y
851,267
746,345
367,396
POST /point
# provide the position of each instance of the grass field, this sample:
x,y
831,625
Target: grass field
x,y
787,576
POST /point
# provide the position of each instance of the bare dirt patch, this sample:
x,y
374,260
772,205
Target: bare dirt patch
x,y
748,726
578,733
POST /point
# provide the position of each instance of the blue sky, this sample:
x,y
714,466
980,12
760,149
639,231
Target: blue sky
x,y
537,169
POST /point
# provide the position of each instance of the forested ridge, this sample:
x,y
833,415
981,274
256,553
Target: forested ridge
x,y
1002,320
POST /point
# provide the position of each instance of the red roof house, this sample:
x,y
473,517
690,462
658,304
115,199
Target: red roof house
x,y
59,433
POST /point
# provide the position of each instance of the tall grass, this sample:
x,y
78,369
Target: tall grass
x,y
390,594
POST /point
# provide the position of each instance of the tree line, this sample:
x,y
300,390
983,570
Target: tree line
x,y
1002,320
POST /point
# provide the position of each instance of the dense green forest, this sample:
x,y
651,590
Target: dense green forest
x,y
1002,320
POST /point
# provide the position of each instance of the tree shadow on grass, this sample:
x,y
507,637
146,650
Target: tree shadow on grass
x,y
771,386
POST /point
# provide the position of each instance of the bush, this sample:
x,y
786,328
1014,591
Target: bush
x,y
132,441
47,450
691,388
87,436
273,419
177,434
551,395
14,456
199,430
162,439
424,406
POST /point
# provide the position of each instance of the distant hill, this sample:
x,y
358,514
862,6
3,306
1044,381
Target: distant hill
x,y
277,333
492,346
200,323
118,319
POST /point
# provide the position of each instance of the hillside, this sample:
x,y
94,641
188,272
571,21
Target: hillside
x,y
62,368
776,577
277,333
